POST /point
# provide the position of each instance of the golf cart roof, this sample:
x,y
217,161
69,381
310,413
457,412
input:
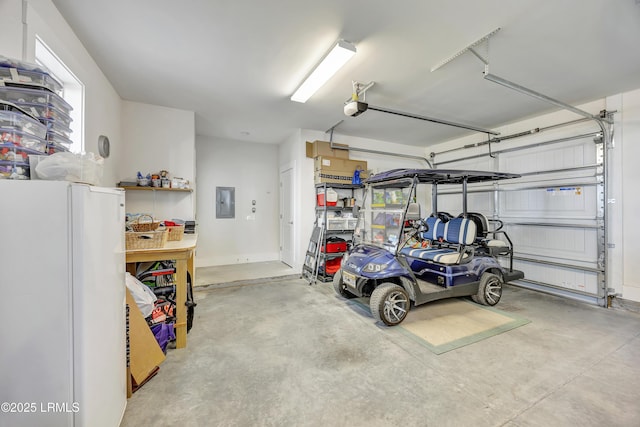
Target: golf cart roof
x,y
441,176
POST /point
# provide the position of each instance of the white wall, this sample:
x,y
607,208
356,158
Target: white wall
x,y
252,169
11,29
628,143
623,178
102,103
158,138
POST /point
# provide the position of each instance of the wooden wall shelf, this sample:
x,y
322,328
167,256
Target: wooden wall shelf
x,y
136,188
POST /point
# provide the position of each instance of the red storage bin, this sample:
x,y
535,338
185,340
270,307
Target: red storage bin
x,y
335,244
333,265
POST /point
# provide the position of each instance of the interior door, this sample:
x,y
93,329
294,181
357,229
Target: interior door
x,y
286,217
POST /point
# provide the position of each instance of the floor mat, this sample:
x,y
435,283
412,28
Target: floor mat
x,y
445,325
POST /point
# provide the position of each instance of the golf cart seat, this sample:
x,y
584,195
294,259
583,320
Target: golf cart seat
x,y
444,216
436,229
459,232
482,224
495,246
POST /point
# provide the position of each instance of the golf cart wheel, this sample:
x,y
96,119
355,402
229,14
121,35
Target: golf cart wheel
x,y
340,287
389,303
490,289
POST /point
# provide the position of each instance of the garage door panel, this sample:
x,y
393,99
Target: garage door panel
x,y
551,203
545,158
480,163
476,202
561,244
553,213
561,277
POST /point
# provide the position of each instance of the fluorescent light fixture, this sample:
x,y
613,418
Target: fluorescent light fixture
x,y
339,54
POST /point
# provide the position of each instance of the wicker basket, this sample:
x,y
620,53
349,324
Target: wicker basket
x,y
175,232
145,239
138,226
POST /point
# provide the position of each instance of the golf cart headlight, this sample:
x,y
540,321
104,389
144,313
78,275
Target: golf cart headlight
x,y
374,268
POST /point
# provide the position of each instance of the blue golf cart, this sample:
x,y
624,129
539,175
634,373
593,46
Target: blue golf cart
x,y
399,257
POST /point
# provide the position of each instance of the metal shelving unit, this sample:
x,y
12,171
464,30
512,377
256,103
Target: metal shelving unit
x,y
327,226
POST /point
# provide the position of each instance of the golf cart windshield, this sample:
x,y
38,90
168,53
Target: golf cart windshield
x,y
381,219
387,196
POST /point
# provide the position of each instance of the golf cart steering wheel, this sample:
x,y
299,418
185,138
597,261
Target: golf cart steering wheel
x,y
420,225
417,226
413,232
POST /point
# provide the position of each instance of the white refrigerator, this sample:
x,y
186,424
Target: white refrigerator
x,y
62,305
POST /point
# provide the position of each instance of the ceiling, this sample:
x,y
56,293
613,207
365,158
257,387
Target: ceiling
x,y
236,63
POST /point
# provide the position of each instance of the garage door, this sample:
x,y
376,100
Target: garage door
x,y
554,214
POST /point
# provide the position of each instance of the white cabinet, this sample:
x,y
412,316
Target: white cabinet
x,y
63,304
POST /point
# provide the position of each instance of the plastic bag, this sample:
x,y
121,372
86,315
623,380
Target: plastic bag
x,y
142,295
164,333
66,166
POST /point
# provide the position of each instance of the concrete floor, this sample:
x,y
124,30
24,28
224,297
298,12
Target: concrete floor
x,y
225,274
279,352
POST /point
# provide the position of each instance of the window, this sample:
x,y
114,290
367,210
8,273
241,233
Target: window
x,y
73,91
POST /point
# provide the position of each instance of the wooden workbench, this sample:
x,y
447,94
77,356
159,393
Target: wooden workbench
x,y
182,252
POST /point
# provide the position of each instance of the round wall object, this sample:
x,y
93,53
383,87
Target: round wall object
x,y
104,146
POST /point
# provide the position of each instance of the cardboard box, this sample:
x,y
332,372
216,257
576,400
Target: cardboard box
x,y
327,164
336,170
336,177
144,353
323,148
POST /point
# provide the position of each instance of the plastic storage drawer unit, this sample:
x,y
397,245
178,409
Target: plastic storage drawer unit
x,y
56,148
22,122
336,224
54,138
14,170
45,111
16,137
25,95
15,153
22,76
56,127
